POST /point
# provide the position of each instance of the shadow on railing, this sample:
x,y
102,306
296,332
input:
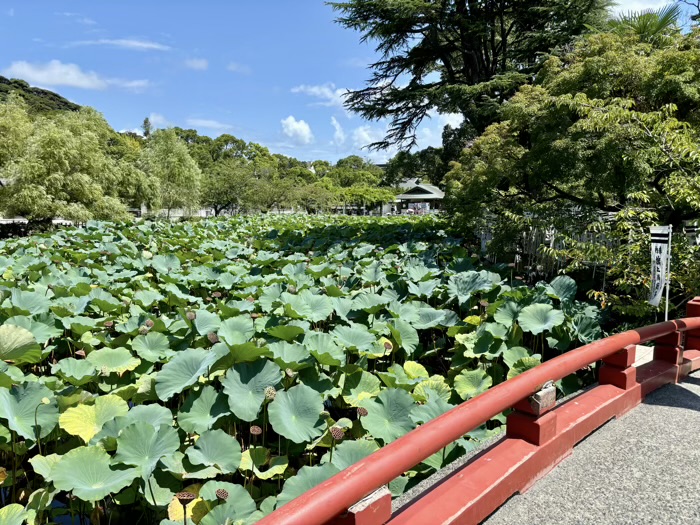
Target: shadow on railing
x,y
538,434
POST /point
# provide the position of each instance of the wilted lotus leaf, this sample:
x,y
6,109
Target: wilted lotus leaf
x,y
25,410
86,473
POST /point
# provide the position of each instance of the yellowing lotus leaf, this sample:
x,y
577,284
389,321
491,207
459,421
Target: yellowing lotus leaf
x,y
86,421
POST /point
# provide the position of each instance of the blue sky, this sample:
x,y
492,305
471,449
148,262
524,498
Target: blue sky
x,y
267,71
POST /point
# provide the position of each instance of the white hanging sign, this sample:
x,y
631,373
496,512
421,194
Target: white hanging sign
x,y
691,232
660,250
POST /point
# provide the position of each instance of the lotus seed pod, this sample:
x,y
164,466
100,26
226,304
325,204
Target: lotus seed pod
x,y
290,372
270,393
216,295
149,323
185,498
337,433
362,412
255,430
191,316
213,338
222,494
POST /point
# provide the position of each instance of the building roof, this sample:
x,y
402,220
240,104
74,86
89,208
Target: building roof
x,y
421,192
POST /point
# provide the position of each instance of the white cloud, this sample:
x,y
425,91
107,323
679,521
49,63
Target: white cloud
x,y
298,130
197,63
329,94
450,119
624,6
125,43
339,135
158,121
239,68
56,73
208,124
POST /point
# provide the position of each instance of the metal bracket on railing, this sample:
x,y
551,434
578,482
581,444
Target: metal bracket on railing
x,y
544,399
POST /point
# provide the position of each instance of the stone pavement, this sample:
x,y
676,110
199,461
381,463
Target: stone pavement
x,y
643,468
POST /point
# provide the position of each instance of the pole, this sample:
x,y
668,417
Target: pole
x,y
668,266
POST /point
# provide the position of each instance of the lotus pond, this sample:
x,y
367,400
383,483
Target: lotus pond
x,y
245,360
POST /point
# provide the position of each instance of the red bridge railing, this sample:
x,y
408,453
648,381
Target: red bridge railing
x,y
533,443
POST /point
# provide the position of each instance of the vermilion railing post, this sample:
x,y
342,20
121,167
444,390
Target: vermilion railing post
x,y
525,423
669,348
692,337
618,369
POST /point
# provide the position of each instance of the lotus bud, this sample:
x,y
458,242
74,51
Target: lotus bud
x,y
292,289
149,323
207,299
109,324
290,372
388,345
255,430
254,315
337,433
191,316
270,393
45,401
484,303
362,412
216,295
222,494
80,353
143,330
185,498
250,299
213,338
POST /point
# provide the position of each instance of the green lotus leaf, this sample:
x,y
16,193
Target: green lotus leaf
x,y
43,330
206,322
323,347
291,355
87,474
286,332
160,489
587,329
435,384
43,465
415,370
156,415
237,330
508,313
296,414
435,406
215,448
523,365
18,345
471,383
514,354
423,288
13,514
538,318
77,372
202,410
245,386
152,347
348,453
29,303
564,287
183,371
429,318
104,300
355,336
369,302
406,336
307,305
359,386
233,512
165,264
389,415
24,408
113,360
87,420
306,479
254,458
142,445
463,285
147,297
